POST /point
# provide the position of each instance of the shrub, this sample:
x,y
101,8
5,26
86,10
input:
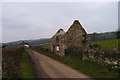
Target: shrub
x,y
96,46
76,51
11,61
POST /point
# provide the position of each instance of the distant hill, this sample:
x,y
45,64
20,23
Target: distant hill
x,y
103,36
92,37
31,42
0,44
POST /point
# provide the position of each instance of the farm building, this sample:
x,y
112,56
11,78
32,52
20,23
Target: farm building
x,y
26,45
75,36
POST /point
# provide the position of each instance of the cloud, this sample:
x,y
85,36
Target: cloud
x,y
39,20
0,22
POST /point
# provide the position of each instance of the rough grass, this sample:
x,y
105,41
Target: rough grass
x,y
27,70
107,43
46,46
92,69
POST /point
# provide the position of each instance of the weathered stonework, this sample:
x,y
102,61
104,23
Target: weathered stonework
x,y
75,36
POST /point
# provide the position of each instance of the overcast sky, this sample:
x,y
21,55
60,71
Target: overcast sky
x,y
0,22
35,20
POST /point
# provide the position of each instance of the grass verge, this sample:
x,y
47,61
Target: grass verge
x,y
92,69
27,70
46,46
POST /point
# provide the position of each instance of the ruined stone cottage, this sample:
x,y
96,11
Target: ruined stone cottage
x,y
75,36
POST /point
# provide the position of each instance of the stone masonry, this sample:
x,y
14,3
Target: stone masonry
x,y
75,36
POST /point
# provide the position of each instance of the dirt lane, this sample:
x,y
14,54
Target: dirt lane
x,y
50,68
36,66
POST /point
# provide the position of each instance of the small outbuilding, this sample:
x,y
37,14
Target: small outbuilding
x,y
26,45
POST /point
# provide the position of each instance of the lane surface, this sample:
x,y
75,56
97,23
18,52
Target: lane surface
x,y
49,68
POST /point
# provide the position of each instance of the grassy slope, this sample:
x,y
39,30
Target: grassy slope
x,y
27,70
92,69
107,43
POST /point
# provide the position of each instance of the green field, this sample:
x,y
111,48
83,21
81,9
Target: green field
x,y
27,70
107,43
46,46
103,44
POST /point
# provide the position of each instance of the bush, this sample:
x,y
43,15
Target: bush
x,y
11,61
76,51
96,46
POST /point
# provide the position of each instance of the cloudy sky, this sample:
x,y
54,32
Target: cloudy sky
x,y
0,22
33,20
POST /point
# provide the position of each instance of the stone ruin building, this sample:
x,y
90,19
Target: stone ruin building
x,y
75,36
